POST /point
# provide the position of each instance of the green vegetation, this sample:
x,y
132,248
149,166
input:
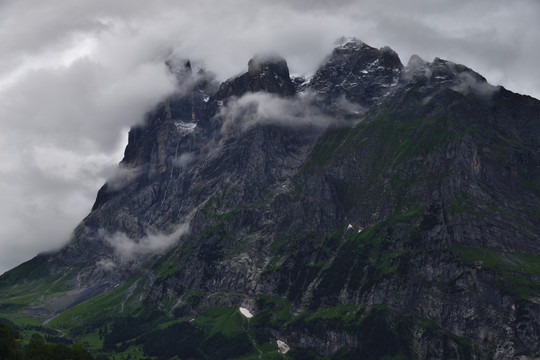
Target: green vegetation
x,y
218,333
519,273
461,204
30,270
18,292
383,333
329,144
94,310
275,311
370,255
37,348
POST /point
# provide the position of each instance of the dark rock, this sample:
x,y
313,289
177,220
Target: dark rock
x,y
358,72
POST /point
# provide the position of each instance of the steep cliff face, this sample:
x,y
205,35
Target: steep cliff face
x,y
374,204
266,72
357,72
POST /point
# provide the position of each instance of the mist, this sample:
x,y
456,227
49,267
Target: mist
x,y
127,250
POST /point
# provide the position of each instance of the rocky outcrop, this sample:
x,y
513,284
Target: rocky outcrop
x,y
266,72
358,72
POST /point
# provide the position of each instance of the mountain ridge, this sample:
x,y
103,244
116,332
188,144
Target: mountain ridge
x,y
373,196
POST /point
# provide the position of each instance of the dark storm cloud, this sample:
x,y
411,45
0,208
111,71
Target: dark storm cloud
x,y
75,75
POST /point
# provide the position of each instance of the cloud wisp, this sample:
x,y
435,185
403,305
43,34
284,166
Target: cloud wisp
x,y
261,108
467,83
121,177
129,251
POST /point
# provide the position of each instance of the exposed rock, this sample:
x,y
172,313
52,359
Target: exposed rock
x,y
268,73
358,72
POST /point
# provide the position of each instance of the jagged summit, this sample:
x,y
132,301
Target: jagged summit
x,y
348,42
358,72
181,68
266,72
415,61
270,62
443,74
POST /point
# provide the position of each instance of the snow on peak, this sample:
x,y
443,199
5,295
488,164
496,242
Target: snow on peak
x,y
347,42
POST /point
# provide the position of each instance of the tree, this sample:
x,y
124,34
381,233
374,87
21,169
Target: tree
x,y
9,347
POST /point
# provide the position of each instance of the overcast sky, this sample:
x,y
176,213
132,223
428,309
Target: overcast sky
x,y
75,75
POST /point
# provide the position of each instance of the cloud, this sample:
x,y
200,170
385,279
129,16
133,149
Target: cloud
x,y
83,102
302,110
106,264
74,76
467,83
416,67
263,108
185,159
491,37
121,176
45,192
128,250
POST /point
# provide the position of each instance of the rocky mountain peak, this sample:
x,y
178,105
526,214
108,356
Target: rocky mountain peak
x,y
349,43
266,72
358,72
440,74
415,61
261,63
181,68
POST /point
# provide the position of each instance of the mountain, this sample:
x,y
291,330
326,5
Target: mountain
x,y
373,211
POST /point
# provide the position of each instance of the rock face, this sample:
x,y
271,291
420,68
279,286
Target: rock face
x,y
266,72
413,223
358,72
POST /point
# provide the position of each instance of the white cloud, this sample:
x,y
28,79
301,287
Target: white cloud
x,y
263,108
121,176
128,250
185,159
466,83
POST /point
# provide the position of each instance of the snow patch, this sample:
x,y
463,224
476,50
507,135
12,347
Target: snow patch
x,y
283,348
348,42
245,312
185,128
